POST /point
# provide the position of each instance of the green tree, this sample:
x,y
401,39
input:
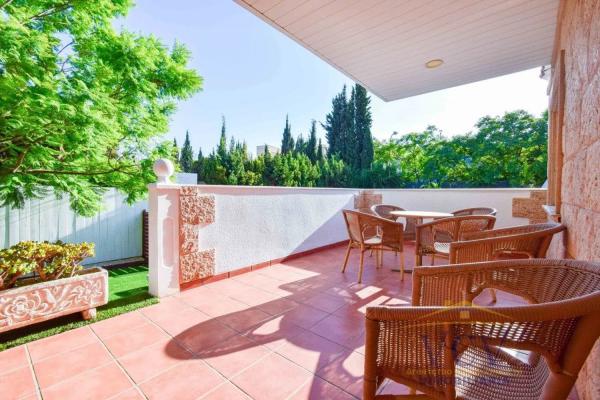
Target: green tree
x,y
320,154
82,104
350,152
362,127
311,144
186,159
175,152
287,142
214,171
336,124
300,145
222,147
269,176
199,166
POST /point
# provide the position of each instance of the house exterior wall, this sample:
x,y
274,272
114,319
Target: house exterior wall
x,y
578,34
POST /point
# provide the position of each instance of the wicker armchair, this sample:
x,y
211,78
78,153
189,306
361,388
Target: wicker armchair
x,y
475,211
434,238
384,211
524,241
461,352
388,237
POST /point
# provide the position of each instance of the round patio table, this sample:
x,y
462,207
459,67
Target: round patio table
x,y
420,215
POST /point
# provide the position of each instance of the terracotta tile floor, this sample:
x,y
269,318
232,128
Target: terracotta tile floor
x,y
290,331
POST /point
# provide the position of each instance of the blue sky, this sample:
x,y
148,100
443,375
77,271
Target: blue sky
x,y
254,75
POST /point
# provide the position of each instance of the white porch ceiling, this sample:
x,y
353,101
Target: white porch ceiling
x,y
384,44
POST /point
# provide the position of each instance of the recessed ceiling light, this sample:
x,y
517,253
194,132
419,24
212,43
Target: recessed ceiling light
x,y
434,63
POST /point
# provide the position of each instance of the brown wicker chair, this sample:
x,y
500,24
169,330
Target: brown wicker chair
x,y
384,211
475,211
460,352
524,241
388,237
434,238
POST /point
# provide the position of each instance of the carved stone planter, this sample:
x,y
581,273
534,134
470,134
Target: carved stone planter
x,y
36,302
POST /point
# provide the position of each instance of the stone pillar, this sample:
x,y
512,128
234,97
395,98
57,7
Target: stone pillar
x,y
365,199
163,226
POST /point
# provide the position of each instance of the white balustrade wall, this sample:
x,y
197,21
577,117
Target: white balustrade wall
x,y
253,224
257,224
116,230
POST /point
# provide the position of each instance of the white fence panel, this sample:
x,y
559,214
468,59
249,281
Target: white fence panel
x,y
116,230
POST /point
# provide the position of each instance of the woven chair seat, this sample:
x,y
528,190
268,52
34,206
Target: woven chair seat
x,y
447,348
486,374
441,247
373,241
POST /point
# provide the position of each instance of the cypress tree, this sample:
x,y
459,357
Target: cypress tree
x,y
335,124
320,155
222,147
269,177
311,145
199,166
350,153
287,142
186,159
175,154
362,127
300,145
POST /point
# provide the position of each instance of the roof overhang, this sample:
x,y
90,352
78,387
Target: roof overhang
x,y
385,44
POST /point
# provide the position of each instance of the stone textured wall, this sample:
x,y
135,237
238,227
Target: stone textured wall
x,y
195,209
580,38
365,199
530,207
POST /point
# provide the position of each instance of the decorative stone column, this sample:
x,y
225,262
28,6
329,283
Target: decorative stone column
x,y
531,207
163,237
365,199
195,210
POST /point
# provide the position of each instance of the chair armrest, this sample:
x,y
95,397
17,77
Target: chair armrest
x,y
522,241
424,235
391,233
460,283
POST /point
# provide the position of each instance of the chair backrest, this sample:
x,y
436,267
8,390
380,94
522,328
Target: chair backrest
x,y
384,211
361,226
453,228
524,241
475,211
561,325
353,225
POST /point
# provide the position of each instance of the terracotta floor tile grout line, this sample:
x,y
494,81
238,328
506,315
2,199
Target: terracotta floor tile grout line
x,y
116,360
38,391
311,376
91,326
70,349
135,387
307,323
195,356
79,373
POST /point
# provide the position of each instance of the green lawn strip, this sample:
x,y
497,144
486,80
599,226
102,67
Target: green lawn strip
x,y
128,291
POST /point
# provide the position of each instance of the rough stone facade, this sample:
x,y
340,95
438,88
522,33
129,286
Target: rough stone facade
x,y
579,37
365,199
195,209
530,207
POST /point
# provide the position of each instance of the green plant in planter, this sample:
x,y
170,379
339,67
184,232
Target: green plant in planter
x,y
45,260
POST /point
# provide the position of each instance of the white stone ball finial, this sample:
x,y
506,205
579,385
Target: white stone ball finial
x,y
163,169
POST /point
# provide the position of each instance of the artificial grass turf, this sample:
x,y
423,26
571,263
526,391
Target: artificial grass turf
x,y
127,291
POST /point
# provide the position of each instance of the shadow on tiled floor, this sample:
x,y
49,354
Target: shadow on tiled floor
x,y
290,331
